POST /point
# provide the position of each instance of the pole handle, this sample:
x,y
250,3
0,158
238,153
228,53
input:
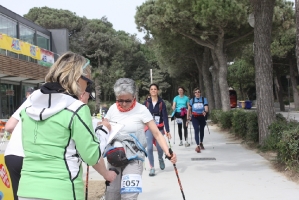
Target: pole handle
x,y
111,169
171,153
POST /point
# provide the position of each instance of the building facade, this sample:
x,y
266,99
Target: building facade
x,y
26,53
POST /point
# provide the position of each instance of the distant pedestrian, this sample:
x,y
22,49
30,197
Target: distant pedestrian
x,y
180,106
29,91
157,108
197,111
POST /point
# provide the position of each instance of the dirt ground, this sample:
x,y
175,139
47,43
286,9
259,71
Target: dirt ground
x,y
270,156
96,189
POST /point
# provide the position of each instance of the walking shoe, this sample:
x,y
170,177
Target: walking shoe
x,y
187,144
181,143
152,172
197,149
201,146
162,164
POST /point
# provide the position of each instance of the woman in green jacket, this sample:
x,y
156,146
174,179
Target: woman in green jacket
x,y
57,135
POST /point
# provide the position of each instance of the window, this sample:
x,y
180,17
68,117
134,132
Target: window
x,y
8,26
43,41
26,34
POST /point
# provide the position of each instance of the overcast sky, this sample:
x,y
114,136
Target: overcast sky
x,y
119,12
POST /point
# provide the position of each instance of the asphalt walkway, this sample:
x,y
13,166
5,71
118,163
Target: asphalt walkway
x,y
225,170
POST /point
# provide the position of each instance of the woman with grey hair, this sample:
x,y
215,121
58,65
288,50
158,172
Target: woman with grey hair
x,y
130,141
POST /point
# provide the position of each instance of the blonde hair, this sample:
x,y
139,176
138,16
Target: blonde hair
x,y
67,70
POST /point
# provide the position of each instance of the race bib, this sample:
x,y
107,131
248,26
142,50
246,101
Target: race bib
x,y
179,120
198,106
157,119
131,183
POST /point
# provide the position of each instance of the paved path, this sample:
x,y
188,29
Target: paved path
x,y
237,173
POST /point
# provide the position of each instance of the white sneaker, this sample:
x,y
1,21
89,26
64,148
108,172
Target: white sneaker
x,y
181,143
187,144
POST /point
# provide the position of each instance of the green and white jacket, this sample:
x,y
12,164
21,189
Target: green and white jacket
x,y
57,135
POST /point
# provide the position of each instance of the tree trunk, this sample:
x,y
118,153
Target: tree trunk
x,y
275,90
203,68
297,31
201,83
294,84
222,73
279,92
216,88
199,64
263,14
207,79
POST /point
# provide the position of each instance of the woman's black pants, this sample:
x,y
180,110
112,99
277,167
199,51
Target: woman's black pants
x,y
14,165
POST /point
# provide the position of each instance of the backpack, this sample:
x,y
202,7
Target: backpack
x,y
202,99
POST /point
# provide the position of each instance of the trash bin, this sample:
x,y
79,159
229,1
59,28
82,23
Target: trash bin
x,y
241,104
248,104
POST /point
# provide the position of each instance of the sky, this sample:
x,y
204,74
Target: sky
x,y
119,12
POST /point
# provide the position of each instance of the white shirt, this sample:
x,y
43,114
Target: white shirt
x,y
15,146
133,120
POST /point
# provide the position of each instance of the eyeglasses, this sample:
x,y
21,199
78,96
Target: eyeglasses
x,y
124,101
86,64
197,92
89,82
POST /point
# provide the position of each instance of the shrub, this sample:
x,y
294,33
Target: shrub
x,y
226,119
239,123
276,130
252,127
215,115
280,117
288,148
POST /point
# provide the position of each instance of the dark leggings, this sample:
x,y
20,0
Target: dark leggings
x,y
14,165
199,124
185,128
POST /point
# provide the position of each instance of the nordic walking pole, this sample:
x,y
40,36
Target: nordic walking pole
x,y
176,170
173,132
86,185
190,133
208,127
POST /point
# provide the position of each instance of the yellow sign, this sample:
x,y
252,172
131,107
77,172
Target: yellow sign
x,y
20,47
5,182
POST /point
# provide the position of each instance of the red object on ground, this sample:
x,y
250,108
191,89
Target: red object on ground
x,y
233,98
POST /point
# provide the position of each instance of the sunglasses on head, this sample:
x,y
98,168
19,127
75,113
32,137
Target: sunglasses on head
x,y
86,64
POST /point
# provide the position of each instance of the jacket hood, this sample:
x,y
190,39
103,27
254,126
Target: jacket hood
x,y
45,105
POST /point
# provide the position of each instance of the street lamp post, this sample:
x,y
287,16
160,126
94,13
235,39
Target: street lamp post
x,y
288,77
